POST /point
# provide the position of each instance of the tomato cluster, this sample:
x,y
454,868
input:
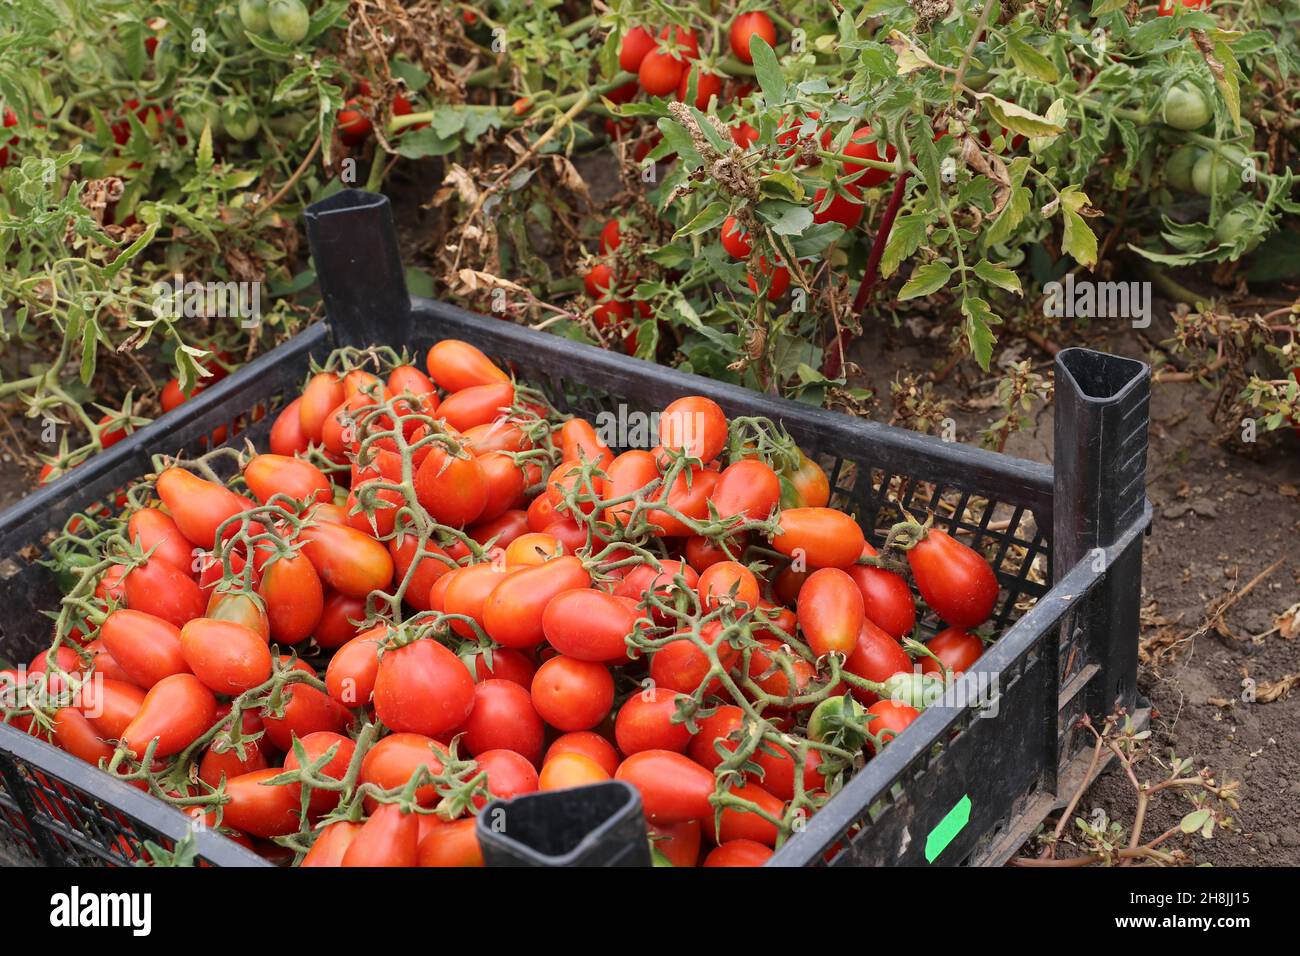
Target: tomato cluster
x,y
434,590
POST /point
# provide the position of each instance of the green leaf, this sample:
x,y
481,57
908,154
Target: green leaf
x,y
925,279
1230,82
1017,118
979,319
1194,820
203,156
998,275
416,144
1030,61
1012,214
904,239
1079,239
784,218
767,70
710,217
410,74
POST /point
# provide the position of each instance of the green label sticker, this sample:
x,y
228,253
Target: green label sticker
x,y
946,830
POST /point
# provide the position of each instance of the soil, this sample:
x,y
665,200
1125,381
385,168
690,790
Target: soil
x,y
1220,518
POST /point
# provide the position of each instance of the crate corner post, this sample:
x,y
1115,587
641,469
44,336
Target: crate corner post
x,y
359,269
1100,426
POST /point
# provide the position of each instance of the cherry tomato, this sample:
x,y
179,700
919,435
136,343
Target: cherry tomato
x,y
589,625
694,425
422,688
455,844
627,474
777,279
229,658
390,838
316,746
466,591
346,559
645,722
660,73
862,146
503,718
507,664
886,598
110,705
677,843
393,761
590,745
734,237
636,43
841,207
570,694
153,530
579,442
826,538
673,788
830,612
959,649
778,772
497,435
739,853
747,25
877,657
708,86
508,774
504,482
175,712
886,719
955,580
532,549
75,734
220,761
455,365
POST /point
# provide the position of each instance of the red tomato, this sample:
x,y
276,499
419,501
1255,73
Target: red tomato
x,y
199,506
316,746
570,770
268,475
694,425
258,808
287,436
571,694
886,598
877,658
728,583
958,649
678,843
323,394
465,592
841,206
645,722
175,712
295,598
512,613
508,774
306,710
734,237
422,688
707,87
354,126
778,279
75,734
504,483
331,844
229,658
660,73
627,474
636,43
455,365
703,553
219,762
453,489
681,666
455,844
886,719
743,824
163,590
747,25
688,495
749,488
778,772
1167,7
394,760
739,853
682,38
503,718
609,237
153,530
531,549
714,730
146,648
502,530
579,442
497,435
644,578
588,744
346,559
955,580
477,405
777,683
110,705
390,838
830,612
589,625
673,788
805,487
336,625
744,136
826,538
861,145
350,677
428,568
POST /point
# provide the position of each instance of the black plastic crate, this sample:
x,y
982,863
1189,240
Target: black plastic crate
x,y
954,788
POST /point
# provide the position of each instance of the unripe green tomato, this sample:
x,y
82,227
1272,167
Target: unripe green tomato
x,y
1236,221
1218,174
827,721
238,120
1186,107
289,20
252,14
914,690
1178,168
